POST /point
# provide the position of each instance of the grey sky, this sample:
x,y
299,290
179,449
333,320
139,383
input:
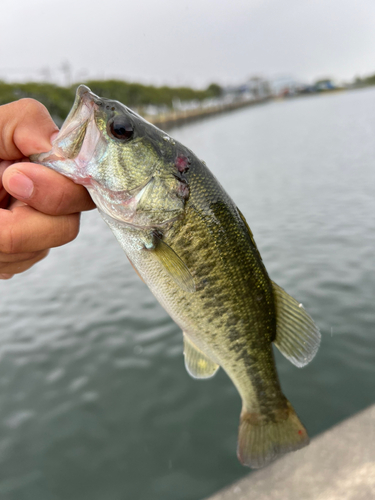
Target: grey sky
x,y
187,42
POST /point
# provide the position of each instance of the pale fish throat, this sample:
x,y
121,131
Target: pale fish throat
x,y
119,205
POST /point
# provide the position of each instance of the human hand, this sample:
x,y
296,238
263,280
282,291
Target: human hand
x,y
39,208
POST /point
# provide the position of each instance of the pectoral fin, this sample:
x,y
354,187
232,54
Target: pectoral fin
x,y
297,336
197,364
173,266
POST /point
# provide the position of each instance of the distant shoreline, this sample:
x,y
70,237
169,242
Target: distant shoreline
x,y
164,107
177,118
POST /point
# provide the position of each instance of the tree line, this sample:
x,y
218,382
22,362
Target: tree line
x,y
59,100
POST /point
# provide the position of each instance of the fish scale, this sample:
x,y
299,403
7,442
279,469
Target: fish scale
x,y
223,317
194,249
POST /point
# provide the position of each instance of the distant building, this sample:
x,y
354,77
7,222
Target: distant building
x,y
285,86
255,88
325,84
259,87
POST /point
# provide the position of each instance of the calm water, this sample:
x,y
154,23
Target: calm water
x,y
95,400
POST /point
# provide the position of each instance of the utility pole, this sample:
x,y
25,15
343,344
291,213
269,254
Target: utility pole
x,y
67,72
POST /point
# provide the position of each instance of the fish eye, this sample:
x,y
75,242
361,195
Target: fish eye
x,y
121,128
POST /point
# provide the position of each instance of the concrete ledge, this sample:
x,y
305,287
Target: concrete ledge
x,y
337,465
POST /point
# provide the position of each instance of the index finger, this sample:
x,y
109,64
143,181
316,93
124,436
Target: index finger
x,y
25,128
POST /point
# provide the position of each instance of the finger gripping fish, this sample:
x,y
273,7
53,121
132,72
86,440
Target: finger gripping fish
x,y
193,248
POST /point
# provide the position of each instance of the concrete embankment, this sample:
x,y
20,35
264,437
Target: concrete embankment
x,y
176,118
337,465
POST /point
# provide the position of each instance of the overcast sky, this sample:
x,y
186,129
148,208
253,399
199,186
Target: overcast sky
x,y
190,42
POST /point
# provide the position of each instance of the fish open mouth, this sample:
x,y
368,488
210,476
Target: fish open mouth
x,y
72,134
77,139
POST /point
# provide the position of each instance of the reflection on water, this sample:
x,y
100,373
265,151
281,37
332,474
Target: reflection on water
x,y
95,400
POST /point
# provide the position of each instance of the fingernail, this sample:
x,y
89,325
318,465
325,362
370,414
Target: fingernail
x,y
21,187
6,276
53,136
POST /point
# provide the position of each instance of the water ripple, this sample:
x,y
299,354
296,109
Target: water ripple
x,y
93,387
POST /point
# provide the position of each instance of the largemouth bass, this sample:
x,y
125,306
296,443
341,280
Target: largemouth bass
x,y
194,249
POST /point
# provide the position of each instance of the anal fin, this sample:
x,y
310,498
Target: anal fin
x,y
297,336
197,364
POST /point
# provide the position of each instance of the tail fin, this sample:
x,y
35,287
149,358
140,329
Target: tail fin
x,y
262,441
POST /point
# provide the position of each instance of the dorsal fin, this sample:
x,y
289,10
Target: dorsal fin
x,y
197,364
297,336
